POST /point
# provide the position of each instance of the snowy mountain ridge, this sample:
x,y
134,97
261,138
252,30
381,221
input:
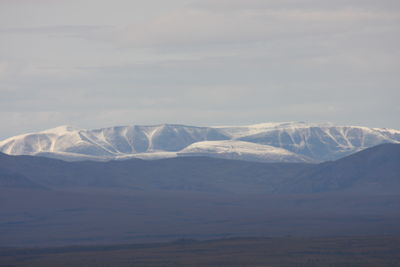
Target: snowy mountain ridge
x,y
268,142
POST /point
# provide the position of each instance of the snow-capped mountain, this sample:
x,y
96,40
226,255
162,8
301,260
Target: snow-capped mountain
x,y
319,141
269,142
235,149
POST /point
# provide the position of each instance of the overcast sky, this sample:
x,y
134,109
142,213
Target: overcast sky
x,y
97,63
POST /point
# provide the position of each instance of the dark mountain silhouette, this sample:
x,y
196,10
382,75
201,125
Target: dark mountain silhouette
x,y
371,170
12,179
376,168
182,174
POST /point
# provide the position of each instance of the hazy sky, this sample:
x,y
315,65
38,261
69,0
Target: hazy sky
x,y
202,62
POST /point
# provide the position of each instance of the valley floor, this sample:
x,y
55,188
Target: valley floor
x,y
285,251
48,218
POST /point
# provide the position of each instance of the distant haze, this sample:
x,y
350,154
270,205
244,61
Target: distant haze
x,y
101,63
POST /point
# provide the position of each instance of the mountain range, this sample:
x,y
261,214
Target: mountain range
x,y
266,142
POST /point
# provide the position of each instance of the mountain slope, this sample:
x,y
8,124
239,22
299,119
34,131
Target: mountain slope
x,y
373,169
16,180
318,142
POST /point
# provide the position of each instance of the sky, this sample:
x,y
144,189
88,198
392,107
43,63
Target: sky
x,y
97,63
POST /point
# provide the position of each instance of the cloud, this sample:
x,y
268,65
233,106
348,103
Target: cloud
x,y
87,32
203,29
97,63
240,5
